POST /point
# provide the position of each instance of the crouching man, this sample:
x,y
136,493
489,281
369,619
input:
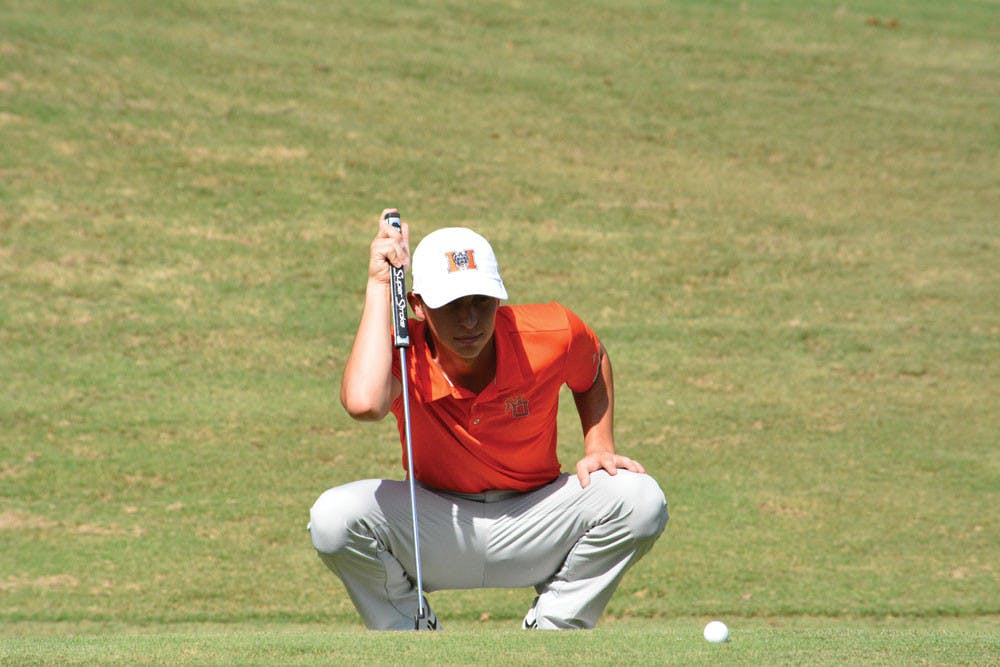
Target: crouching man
x,y
494,509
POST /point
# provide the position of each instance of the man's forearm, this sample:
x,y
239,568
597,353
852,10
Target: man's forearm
x,y
366,390
596,408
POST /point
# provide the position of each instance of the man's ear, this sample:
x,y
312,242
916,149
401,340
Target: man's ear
x,y
417,304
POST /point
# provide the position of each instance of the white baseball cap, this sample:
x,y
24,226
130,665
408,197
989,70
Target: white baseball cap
x,y
454,262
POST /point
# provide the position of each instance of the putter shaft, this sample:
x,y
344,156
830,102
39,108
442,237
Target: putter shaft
x,y
421,611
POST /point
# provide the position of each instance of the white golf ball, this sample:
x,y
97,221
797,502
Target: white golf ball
x,y
716,632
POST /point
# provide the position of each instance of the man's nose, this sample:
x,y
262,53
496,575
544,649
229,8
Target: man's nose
x,y
468,316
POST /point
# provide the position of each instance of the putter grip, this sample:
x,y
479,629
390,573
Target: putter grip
x,y
397,287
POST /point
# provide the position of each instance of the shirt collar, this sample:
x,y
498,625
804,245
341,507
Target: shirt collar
x,y
512,364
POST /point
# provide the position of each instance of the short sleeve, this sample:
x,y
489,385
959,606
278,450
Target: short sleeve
x,y
583,359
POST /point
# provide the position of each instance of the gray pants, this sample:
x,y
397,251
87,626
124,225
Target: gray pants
x,y
573,545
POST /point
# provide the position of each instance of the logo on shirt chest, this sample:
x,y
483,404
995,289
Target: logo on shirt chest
x,y
516,407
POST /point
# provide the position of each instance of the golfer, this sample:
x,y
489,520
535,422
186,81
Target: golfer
x,y
494,508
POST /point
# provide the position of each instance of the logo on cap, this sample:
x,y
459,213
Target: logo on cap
x,y
461,260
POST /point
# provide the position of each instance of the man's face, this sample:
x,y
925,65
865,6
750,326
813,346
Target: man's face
x,y
464,326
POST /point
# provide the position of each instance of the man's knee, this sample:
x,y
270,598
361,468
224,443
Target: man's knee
x,y
336,515
643,504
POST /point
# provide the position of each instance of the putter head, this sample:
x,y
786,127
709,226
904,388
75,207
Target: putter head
x,y
422,622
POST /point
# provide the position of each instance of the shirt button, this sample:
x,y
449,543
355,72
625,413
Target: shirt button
x,y
475,421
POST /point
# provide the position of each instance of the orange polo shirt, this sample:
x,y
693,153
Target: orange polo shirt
x,y
504,437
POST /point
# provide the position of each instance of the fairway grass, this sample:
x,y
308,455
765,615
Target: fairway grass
x,y
779,217
675,641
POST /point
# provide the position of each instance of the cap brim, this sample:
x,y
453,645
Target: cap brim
x,y
465,286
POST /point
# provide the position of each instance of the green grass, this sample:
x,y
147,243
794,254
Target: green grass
x,y
780,217
676,641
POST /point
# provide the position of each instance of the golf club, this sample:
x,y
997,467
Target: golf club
x,y
401,340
